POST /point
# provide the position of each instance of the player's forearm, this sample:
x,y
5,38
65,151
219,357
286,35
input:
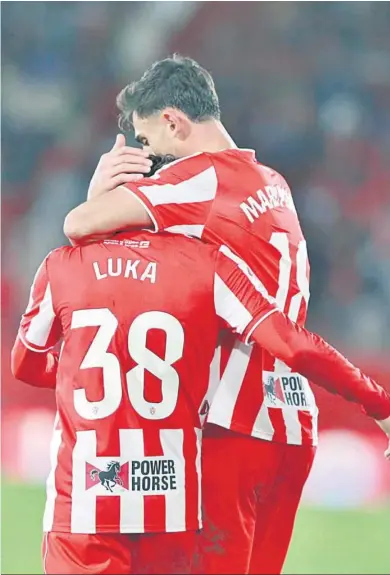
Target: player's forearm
x,y
37,369
308,354
104,215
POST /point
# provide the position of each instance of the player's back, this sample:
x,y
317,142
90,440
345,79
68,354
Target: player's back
x,y
138,317
228,198
253,213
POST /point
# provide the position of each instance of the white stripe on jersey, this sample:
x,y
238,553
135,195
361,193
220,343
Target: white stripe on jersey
x,y
198,463
293,426
132,506
248,272
83,515
34,349
193,230
280,366
31,296
40,325
225,399
197,189
263,422
229,307
51,492
172,442
83,519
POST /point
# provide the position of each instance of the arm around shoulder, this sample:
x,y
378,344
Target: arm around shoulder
x,y
104,215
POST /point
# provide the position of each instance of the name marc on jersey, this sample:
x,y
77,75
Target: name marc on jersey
x,y
273,197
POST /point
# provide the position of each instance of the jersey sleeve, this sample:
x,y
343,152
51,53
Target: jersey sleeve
x,y
240,299
40,329
37,369
308,354
178,197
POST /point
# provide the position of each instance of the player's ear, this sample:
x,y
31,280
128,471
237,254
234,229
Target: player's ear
x,y
178,124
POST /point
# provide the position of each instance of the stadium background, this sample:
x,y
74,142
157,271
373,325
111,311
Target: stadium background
x,y
305,84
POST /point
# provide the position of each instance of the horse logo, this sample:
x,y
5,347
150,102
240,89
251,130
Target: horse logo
x,y
273,390
109,478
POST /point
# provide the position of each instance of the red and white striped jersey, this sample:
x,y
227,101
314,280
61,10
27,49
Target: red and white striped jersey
x,y
229,198
139,316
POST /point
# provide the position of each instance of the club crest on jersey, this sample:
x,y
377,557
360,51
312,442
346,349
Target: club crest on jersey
x,y
113,476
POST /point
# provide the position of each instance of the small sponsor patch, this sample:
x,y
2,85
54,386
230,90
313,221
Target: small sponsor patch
x,y
287,390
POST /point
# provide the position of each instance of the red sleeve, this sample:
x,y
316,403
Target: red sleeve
x,y
38,369
178,197
239,298
40,329
307,353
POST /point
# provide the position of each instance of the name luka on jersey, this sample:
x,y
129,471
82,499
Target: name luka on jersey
x,y
128,269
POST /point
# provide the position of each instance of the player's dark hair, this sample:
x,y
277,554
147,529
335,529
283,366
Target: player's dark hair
x,y
175,82
158,162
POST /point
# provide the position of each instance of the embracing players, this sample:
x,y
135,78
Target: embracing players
x,y
259,444
139,316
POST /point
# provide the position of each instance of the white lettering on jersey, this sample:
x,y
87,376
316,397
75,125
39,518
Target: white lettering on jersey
x,y
143,244
150,273
148,361
115,267
98,356
273,197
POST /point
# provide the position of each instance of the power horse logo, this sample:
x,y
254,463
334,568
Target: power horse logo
x,y
114,475
273,390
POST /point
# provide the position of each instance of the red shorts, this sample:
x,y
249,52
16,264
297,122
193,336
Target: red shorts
x,y
251,492
119,554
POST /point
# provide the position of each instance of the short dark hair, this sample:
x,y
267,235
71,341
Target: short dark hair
x,y
176,82
158,162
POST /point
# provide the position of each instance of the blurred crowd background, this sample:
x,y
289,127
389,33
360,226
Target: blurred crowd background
x,y
306,84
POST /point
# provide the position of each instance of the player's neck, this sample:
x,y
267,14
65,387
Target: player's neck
x,y
211,136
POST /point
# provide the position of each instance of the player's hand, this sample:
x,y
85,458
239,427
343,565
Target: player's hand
x,y
384,424
120,165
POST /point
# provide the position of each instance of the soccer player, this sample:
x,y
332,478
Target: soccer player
x,y
259,445
139,317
